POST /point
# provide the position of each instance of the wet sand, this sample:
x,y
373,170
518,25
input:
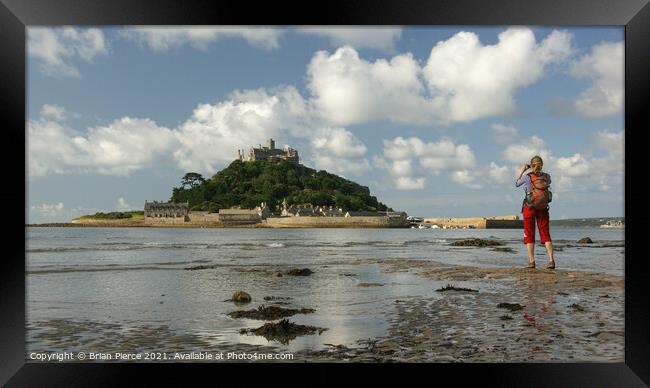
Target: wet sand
x,y
565,316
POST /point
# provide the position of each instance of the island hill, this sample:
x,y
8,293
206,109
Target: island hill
x,y
269,187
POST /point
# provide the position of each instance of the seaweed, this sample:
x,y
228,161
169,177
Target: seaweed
x,y
269,313
283,331
510,306
300,272
475,242
449,287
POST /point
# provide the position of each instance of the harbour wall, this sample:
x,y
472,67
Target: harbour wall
x,y
499,222
336,222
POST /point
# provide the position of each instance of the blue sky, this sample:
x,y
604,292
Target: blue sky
x,y
436,121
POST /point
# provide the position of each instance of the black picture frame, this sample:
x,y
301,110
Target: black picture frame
x,y
15,15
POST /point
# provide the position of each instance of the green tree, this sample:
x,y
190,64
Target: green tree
x,y
192,179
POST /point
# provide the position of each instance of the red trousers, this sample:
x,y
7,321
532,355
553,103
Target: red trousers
x,y
542,219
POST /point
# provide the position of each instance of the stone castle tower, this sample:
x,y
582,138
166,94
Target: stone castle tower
x,y
270,153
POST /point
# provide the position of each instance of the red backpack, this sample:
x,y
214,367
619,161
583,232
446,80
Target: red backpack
x,y
540,195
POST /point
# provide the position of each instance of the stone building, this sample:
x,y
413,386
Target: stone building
x,y
155,209
364,214
270,153
310,211
261,212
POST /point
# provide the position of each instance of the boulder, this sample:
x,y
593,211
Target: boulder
x,y
300,272
475,242
241,297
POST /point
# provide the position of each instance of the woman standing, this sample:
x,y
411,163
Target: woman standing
x,y
535,208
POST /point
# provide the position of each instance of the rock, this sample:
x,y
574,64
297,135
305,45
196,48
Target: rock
x,y
505,317
369,285
449,287
241,297
200,267
510,306
269,313
585,240
504,249
283,331
277,274
475,242
300,272
577,307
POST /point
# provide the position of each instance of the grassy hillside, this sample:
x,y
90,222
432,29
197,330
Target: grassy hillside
x,y
247,184
130,215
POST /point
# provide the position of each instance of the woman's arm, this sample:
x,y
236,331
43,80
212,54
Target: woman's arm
x,y
519,182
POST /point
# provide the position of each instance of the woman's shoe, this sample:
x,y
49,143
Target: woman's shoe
x,y
551,265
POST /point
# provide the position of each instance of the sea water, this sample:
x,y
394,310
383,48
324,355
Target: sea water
x,y
94,286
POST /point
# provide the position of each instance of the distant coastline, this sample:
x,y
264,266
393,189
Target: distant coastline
x,y
311,222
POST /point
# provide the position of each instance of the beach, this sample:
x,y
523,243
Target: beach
x,y
378,295
552,316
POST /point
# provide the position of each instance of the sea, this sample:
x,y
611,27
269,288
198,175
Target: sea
x,y
145,289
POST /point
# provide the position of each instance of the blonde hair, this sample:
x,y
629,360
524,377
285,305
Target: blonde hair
x,y
536,158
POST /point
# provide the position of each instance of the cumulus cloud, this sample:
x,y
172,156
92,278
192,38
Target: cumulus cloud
x,y
465,178
347,89
409,183
604,67
214,132
612,142
572,166
379,38
475,80
499,174
122,205
433,157
445,156
577,172
521,153
504,133
200,37
57,48
484,177
612,164
401,168
53,112
438,157
207,139
125,145
463,80
339,151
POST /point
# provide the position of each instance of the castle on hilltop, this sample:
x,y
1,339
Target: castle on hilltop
x,y
269,153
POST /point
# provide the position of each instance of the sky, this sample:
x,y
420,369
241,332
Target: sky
x,y
436,121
